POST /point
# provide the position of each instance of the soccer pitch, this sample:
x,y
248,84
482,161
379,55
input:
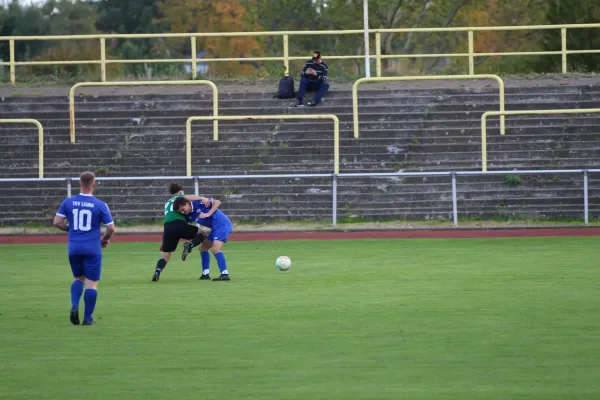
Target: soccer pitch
x,y
361,319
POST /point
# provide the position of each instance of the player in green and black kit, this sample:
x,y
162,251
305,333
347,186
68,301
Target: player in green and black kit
x,y
176,228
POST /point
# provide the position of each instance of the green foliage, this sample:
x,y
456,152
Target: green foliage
x,y
287,15
284,15
19,20
513,179
101,171
132,16
572,12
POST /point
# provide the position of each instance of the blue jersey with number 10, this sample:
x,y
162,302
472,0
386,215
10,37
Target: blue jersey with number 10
x,y
85,214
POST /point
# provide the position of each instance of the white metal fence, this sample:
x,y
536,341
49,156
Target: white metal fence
x,y
454,176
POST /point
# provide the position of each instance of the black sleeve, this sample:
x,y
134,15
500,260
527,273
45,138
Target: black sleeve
x,y
322,72
305,68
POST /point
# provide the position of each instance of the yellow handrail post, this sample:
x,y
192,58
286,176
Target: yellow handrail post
x,y
336,132
194,62
378,51
286,54
484,141
563,40
40,139
471,57
188,147
216,115
524,112
143,83
13,78
103,59
423,78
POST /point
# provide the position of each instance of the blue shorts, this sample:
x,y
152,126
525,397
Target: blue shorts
x,y
88,265
220,232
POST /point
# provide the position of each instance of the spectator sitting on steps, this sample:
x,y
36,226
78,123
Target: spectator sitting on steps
x,y
313,78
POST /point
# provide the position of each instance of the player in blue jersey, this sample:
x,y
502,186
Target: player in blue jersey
x,y
85,215
206,212
175,228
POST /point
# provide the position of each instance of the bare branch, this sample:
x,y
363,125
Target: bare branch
x,y
417,22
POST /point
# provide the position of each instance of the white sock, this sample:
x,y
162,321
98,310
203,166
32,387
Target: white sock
x,y
205,272
225,272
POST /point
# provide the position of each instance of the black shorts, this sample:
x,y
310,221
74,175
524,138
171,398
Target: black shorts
x,y
174,231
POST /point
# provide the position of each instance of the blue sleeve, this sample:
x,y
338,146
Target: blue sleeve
x,y
62,210
199,205
106,217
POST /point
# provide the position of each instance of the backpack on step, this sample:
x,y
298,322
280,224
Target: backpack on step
x,y
286,88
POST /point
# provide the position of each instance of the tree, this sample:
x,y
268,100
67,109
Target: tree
x,y
66,17
131,16
572,12
17,20
495,13
211,16
284,15
389,14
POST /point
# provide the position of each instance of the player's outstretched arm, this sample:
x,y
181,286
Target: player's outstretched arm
x,y
59,222
203,199
213,209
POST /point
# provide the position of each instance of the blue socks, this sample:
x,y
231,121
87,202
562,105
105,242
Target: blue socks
x,y
89,298
76,292
221,262
205,257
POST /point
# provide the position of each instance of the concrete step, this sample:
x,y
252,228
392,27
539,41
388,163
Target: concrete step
x,y
178,169
386,88
303,159
148,138
428,112
399,104
406,148
392,141
97,127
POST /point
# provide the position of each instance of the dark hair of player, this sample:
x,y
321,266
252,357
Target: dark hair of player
x,y
178,203
87,179
175,188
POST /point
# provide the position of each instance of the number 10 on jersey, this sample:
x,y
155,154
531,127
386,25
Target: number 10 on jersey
x,y
82,220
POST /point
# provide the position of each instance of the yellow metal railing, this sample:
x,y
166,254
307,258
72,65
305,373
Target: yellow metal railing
x,y
40,139
422,78
469,54
524,112
336,133
143,83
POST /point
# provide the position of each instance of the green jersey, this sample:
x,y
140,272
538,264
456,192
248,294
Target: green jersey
x,y
171,215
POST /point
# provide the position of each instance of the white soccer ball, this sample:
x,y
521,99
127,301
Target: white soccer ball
x,y
283,263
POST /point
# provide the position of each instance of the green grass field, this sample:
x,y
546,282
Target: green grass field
x,y
368,319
